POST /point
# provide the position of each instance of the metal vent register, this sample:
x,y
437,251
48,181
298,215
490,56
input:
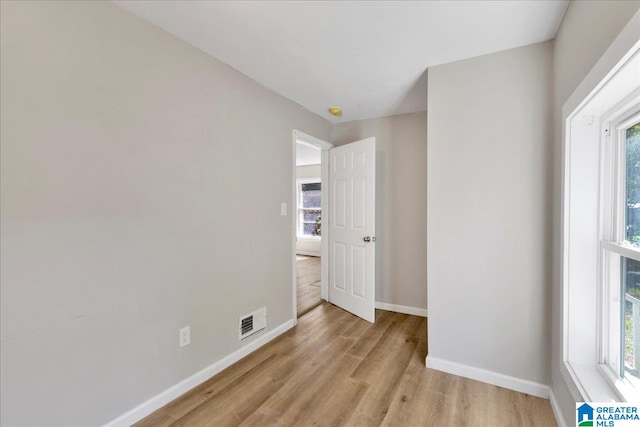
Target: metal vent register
x,y
253,323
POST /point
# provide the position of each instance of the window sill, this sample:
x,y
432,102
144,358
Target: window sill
x,y
594,387
625,390
309,238
590,383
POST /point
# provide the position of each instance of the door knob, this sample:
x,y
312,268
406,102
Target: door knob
x,y
369,239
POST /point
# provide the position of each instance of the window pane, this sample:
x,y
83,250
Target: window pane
x,y
632,221
631,318
309,209
311,229
311,216
311,195
311,199
313,186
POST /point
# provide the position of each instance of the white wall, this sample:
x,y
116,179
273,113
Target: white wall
x,y
309,246
308,171
489,131
586,32
126,208
401,204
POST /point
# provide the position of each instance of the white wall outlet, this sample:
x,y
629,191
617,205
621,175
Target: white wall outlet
x,y
283,209
185,336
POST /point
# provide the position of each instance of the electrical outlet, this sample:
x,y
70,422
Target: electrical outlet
x,y
185,336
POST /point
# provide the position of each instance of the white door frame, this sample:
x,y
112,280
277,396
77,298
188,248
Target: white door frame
x,y
324,241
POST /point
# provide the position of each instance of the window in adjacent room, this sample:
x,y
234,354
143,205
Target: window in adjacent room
x,y
309,208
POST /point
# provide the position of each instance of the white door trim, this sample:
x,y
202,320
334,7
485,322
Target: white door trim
x,y
324,177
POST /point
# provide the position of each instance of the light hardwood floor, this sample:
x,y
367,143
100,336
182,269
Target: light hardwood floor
x,y
308,283
336,369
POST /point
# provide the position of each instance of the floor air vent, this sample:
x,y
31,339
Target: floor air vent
x,y
253,323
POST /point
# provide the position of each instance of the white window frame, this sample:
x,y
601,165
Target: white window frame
x,y
610,88
299,182
614,246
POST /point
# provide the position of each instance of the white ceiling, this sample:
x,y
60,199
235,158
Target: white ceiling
x,y
307,154
368,57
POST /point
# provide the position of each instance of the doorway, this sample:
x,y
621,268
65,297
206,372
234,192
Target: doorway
x,y
345,222
310,236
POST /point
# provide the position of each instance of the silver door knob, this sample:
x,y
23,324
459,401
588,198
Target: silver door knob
x,y
369,239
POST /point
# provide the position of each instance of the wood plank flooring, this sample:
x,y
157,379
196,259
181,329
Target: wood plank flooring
x,y
308,283
335,369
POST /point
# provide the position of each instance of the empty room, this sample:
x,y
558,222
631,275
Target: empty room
x,y
296,213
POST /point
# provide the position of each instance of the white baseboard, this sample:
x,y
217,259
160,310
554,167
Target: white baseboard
x,y
495,378
556,410
422,312
173,392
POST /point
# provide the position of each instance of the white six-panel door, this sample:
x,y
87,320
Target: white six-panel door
x,y
352,223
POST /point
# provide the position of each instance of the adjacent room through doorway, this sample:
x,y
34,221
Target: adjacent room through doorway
x,y
308,277
308,226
